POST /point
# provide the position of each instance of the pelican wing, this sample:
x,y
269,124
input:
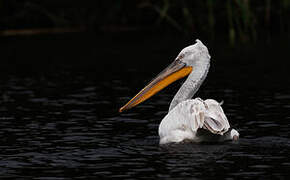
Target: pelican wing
x,y
196,114
182,122
215,118
188,114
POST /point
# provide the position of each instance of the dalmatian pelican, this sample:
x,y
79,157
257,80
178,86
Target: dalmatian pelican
x,y
187,117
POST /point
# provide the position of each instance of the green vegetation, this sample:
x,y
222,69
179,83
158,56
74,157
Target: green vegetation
x,y
241,20
237,20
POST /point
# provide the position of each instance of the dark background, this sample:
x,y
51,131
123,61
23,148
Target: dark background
x,y
237,21
68,66
109,36
40,34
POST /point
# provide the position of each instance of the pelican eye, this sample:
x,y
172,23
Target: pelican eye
x,y
181,56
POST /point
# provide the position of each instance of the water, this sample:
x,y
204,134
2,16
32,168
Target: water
x,y
62,121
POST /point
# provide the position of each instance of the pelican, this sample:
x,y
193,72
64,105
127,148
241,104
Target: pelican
x,y
187,118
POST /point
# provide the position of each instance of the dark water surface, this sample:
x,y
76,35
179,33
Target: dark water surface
x,y
62,121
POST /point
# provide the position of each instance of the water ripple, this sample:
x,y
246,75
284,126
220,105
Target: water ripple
x,y
51,129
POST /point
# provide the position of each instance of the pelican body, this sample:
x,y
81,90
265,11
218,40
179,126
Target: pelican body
x,y
187,117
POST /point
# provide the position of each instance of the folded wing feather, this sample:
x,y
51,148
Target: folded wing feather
x,y
183,121
215,118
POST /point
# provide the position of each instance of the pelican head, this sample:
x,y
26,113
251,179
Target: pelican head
x,y
183,65
193,54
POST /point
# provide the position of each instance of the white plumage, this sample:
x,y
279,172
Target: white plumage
x,y
184,120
